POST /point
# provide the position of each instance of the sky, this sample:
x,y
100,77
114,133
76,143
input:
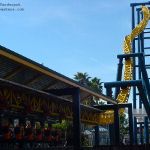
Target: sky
x,y
68,36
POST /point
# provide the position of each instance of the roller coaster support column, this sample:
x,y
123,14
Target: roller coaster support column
x,y
76,119
141,133
146,130
133,51
111,126
96,136
135,130
144,99
144,74
130,123
116,125
75,93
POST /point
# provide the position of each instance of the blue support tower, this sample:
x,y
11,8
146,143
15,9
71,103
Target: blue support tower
x,y
146,132
140,68
140,82
135,130
141,132
96,136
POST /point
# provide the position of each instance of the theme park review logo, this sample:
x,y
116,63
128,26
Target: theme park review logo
x,y
11,7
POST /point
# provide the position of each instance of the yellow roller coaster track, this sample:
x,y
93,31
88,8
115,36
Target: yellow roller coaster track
x,y
123,96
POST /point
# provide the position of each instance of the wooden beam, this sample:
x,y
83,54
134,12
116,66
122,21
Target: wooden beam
x,y
13,73
34,79
2,62
85,97
49,85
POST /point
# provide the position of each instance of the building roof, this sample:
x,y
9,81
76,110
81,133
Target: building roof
x,y
19,69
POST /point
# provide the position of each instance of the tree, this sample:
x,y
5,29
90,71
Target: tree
x,y
94,83
124,126
82,78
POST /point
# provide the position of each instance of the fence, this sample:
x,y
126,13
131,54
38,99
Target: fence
x,y
24,145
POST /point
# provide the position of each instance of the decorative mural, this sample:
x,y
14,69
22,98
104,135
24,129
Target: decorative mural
x,y
31,103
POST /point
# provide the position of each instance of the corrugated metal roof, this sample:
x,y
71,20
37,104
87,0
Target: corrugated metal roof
x,y
19,69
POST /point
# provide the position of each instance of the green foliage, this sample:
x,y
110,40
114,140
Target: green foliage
x,y
94,83
63,125
82,78
84,140
124,126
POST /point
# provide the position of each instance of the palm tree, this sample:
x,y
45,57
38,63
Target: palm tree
x,y
82,78
94,83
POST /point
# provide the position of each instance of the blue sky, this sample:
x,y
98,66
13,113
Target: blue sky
x,y
69,36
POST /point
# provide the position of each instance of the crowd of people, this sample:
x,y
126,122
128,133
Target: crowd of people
x,y
29,133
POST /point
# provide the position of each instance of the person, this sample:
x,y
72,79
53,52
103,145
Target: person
x,y
47,135
38,132
6,132
28,132
58,136
54,134
18,134
29,136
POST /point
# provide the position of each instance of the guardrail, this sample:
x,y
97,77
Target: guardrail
x,y
46,146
